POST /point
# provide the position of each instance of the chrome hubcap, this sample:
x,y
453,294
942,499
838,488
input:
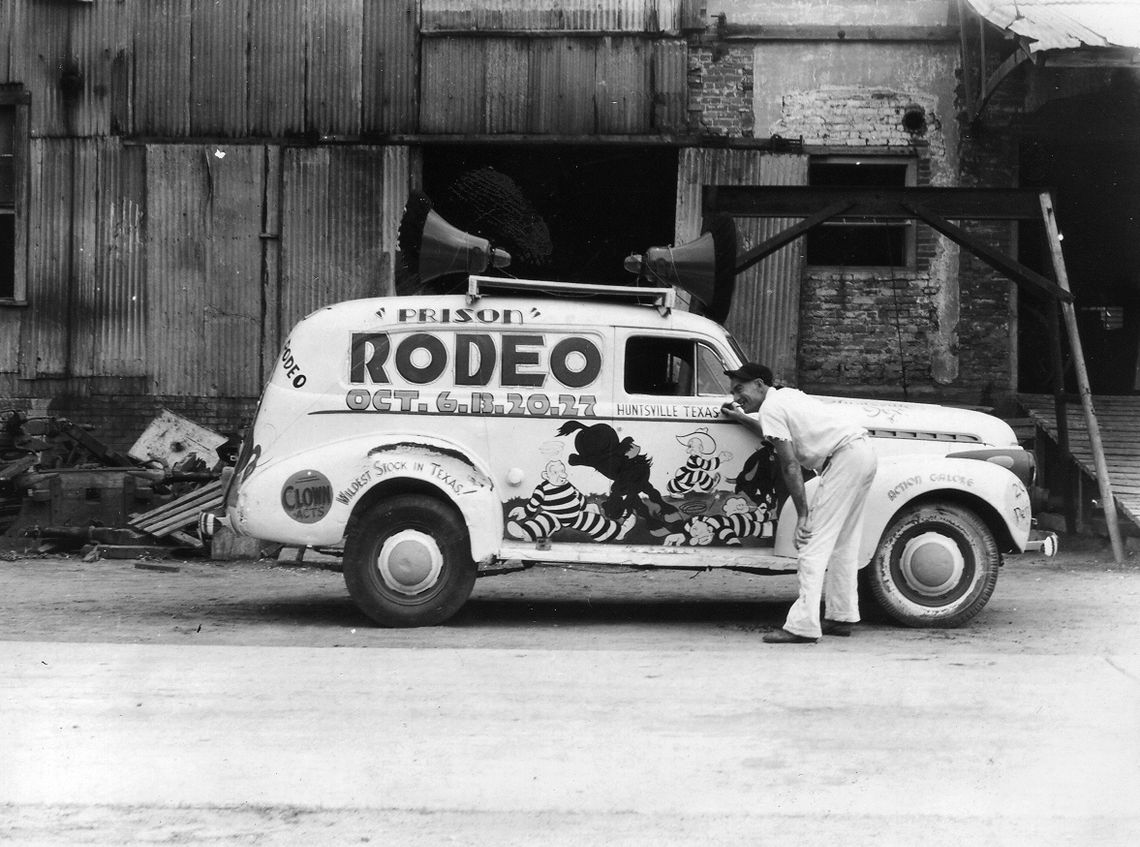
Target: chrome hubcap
x,y
409,562
932,564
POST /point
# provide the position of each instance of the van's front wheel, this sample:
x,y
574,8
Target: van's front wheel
x,y
936,566
408,562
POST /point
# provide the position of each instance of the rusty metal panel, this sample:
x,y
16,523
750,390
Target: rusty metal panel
x,y
391,66
508,76
670,86
454,90
333,57
562,82
43,57
218,67
176,241
100,47
45,336
118,312
233,318
332,229
526,15
397,184
765,317
11,30
622,86
277,39
162,68
203,226
83,314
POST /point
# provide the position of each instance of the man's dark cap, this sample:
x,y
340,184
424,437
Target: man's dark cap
x,y
750,371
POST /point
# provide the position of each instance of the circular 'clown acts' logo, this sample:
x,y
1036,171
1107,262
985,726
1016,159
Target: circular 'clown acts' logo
x,y
306,496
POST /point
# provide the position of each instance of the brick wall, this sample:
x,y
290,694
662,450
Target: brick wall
x,y
720,90
117,411
939,330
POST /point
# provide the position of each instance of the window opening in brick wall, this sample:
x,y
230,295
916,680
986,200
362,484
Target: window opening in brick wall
x,y
842,242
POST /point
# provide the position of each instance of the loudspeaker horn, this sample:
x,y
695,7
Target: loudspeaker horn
x,y
706,268
434,248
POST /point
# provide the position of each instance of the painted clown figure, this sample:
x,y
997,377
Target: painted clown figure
x,y
699,474
556,504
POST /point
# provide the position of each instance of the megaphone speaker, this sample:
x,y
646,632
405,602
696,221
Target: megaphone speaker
x,y
435,248
705,268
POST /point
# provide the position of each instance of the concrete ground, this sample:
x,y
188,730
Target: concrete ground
x,y
210,703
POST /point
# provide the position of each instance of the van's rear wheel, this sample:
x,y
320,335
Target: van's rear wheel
x,y
936,566
408,562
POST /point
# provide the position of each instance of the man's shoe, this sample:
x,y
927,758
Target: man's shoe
x,y
782,636
840,628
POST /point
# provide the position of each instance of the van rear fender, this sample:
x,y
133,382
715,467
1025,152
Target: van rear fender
x,y
422,464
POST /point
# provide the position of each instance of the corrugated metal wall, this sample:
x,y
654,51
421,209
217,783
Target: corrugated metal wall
x,y
181,68
152,253
44,338
153,260
574,85
391,66
338,236
765,317
588,15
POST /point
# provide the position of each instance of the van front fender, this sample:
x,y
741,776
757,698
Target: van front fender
x,y
994,492
900,480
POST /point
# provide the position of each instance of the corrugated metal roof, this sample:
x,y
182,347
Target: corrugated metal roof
x,y
1066,24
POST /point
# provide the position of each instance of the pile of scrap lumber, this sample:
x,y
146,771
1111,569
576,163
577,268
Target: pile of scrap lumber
x,y
60,487
173,519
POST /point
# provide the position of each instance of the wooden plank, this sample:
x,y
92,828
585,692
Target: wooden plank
x,y
204,493
183,519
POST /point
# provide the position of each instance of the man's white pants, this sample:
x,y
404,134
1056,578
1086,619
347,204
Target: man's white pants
x,y
828,563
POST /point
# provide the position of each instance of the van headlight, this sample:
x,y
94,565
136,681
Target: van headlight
x,y
1021,463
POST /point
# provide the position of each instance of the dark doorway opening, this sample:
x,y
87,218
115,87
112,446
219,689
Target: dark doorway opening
x,y
566,213
1095,177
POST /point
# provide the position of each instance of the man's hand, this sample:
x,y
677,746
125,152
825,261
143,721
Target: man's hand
x,y
734,411
803,532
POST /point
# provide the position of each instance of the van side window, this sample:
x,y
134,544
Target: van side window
x,y
659,366
711,378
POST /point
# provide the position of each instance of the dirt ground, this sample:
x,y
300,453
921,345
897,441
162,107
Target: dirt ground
x,y
1078,600
1031,670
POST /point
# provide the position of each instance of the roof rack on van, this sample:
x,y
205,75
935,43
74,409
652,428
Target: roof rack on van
x,y
663,298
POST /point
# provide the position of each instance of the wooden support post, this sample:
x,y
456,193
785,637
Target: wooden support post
x,y
1061,413
1108,502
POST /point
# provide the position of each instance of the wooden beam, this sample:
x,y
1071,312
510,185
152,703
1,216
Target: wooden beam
x,y
786,236
824,32
1108,501
995,259
798,201
1011,63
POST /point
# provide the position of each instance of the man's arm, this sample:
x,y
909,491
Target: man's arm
x,y
794,480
